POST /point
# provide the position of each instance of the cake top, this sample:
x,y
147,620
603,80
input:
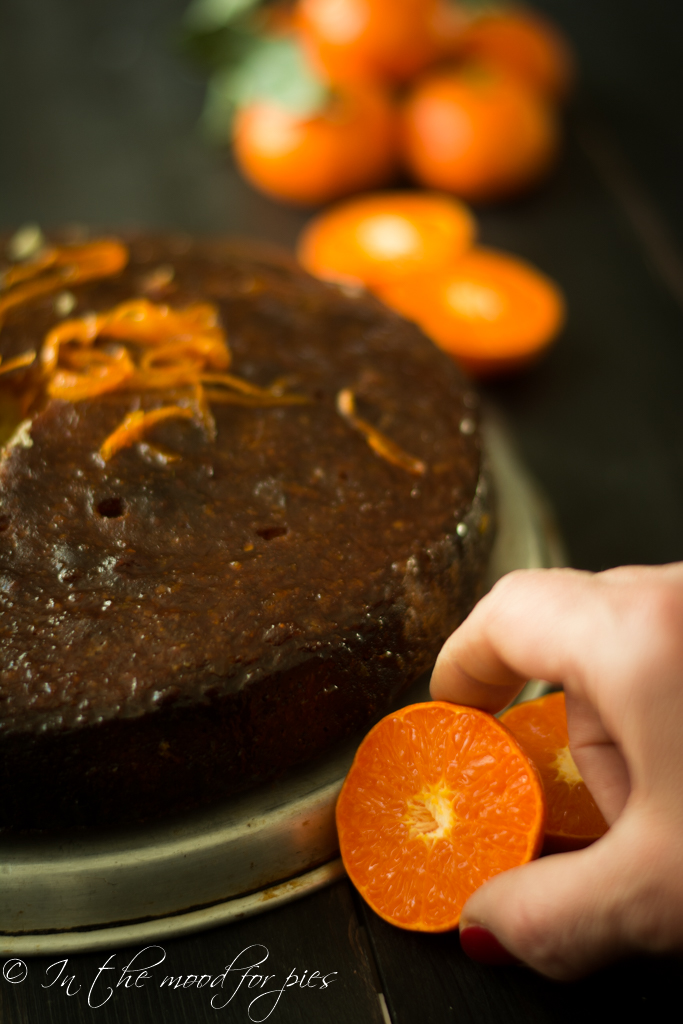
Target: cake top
x,y
218,464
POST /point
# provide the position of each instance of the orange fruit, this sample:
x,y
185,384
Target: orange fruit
x,y
491,311
382,236
524,44
478,132
352,41
349,146
439,799
573,819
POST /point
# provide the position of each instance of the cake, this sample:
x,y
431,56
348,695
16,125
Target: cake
x,y
240,511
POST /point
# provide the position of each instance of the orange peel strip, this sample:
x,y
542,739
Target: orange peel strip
x,y
83,331
245,387
200,350
102,375
73,264
379,442
136,424
142,321
25,359
204,412
30,268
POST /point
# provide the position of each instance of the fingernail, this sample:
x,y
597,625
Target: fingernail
x,y
482,945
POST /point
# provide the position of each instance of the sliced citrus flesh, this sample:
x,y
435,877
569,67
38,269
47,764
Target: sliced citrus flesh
x,y
540,726
491,311
383,236
439,799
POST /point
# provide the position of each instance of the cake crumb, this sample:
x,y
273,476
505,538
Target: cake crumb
x,y
65,303
21,438
25,243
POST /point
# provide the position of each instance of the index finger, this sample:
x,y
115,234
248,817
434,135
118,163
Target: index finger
x,y
525,628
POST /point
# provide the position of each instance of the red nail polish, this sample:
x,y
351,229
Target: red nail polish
x,y
482,945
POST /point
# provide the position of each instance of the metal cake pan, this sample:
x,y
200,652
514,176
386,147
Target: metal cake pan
x,y
89,890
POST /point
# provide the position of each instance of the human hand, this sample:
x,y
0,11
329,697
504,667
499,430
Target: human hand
x,y
615,642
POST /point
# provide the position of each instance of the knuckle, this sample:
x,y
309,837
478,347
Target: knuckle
x,y
657,608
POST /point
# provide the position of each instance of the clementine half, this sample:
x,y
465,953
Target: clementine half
x,y
383,236
478,132
540,726
439,799
349,146
491,311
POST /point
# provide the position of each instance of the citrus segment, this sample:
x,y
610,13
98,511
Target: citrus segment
x,y
493,312
382,236
438,800
573,819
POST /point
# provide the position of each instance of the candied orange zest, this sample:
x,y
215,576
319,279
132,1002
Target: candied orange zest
x,y
25,359
379,442
104,373
171,349
136,423
204,412
272,395
71,264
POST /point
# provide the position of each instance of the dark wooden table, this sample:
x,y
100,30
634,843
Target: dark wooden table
x,y
97,125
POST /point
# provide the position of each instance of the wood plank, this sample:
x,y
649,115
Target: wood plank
x,y
428,978
631,71
598,420
315,952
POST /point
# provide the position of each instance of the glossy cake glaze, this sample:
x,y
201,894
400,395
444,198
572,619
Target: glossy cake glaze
x,y
197,614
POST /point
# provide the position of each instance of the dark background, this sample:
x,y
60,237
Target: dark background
x,y
98,120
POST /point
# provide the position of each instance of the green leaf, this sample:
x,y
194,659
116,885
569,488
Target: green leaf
x,y
219,48
208,15
273,69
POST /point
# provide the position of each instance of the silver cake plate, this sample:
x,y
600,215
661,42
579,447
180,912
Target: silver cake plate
x,y
99,890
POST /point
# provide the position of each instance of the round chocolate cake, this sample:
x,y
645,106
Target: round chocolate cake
x,y
240,510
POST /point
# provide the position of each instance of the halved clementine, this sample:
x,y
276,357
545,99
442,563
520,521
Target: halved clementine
x,y
493,312
439,799
540,726
382,236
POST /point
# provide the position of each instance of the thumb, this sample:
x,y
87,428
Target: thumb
x,y
561,915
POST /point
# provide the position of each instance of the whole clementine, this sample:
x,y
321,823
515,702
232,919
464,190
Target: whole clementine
x,y
349,146
370,40
524,44
478,132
